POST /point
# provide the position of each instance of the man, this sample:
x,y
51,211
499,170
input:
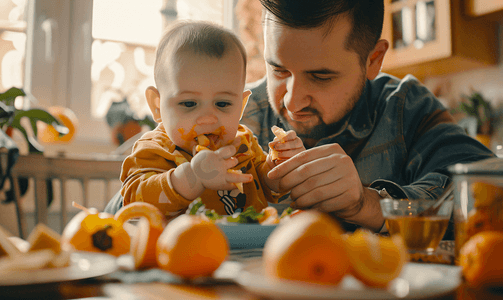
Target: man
x,y
368,133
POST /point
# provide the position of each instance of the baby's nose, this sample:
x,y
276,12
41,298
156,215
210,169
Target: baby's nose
x,y
206,119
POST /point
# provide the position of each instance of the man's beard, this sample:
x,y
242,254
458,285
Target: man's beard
x,y
318,129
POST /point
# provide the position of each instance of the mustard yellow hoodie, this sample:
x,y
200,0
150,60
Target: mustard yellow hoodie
x,y
146,173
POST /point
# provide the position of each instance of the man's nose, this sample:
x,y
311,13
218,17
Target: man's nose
x,y
296,97
206,119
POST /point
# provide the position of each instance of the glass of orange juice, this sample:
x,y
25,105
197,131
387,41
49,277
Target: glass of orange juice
x,y
421,234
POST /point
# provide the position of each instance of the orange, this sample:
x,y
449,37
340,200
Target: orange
x,y
150,226
191,246
47,134
485,194
95,232
483,219
376,260
307,248
123,132
481,259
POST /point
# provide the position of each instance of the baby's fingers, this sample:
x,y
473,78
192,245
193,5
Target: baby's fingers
x,y
226,152
235,176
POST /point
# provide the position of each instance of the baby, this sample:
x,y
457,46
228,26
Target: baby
x,y
199,149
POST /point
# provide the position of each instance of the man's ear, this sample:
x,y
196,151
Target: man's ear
x,y
375,59
246,95
154,102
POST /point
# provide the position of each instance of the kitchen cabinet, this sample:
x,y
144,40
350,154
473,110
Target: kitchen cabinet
x,y
489,8
436,37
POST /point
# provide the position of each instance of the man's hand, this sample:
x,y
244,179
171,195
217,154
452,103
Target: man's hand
x,y
326,179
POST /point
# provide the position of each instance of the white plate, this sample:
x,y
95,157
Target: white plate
x,y
416,281
82,265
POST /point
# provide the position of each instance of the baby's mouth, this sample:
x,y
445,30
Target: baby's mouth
x,y
208,140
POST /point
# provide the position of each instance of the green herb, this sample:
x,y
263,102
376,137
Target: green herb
x,y
194,206
287,212
212,215
249,215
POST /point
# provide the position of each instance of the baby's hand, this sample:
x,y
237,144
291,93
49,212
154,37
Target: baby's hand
x,y
211,169
284,146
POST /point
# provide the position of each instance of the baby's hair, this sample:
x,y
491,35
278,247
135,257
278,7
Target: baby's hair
x,y
199,37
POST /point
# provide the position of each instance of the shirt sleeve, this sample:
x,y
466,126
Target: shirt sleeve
x,y
146,178
434,142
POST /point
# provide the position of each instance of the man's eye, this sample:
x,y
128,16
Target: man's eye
x,y
188,103
321,77
223,104
280,72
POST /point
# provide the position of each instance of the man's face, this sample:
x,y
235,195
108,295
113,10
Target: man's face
x,y
202,95
312,80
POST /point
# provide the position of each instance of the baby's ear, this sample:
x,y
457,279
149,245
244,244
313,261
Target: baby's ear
x,y
246,95
154,102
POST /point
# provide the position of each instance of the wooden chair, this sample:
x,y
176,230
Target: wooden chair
x,y
82,168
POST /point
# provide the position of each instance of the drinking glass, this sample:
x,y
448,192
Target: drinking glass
x,y
421,234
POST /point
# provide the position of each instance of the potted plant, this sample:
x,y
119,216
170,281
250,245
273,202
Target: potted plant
x,y
10,118
476,106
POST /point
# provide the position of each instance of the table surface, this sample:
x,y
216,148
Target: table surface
x,y
104,288
115,286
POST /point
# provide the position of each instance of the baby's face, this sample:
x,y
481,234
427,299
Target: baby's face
x,y
202,95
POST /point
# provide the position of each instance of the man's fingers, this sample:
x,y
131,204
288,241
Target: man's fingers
x,y
304,158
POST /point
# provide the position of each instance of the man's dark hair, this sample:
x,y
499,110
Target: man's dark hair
x,y
365,15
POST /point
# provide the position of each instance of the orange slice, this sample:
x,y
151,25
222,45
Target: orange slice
x,y
238,185
269,217
376,260
280,134
203,140
149,228
43,237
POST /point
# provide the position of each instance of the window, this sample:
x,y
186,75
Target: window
x,y
12,43
84,54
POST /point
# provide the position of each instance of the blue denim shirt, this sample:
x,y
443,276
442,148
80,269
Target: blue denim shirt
x,y
399,136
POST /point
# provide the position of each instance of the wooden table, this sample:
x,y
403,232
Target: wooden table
x,y
103,289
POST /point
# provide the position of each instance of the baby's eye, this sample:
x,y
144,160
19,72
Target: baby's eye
x,y
188,103
222,104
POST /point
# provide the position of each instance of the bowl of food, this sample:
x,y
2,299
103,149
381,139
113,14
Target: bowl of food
x,y
248,229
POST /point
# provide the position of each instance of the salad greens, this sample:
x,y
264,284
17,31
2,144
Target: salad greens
x,y
249,215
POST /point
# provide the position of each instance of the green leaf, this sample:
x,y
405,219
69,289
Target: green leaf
x,y
249,215
38,115
8,97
